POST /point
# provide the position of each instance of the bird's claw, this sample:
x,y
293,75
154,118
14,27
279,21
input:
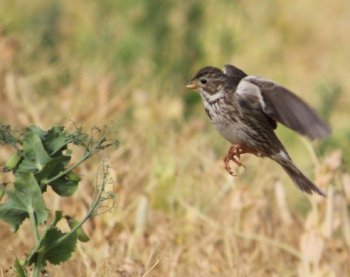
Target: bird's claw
x,y
234,154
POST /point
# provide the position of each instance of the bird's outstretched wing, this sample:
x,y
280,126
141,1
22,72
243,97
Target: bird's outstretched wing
x,y
285,107
279,104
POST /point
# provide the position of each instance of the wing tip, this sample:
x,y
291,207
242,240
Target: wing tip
x,y
233,71
319,131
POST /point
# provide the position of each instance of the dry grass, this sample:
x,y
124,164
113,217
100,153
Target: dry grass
x,y
177,212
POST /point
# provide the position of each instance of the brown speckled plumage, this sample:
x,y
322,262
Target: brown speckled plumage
x,y
244,109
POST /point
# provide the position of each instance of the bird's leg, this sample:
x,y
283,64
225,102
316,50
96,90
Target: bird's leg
x,y
234,154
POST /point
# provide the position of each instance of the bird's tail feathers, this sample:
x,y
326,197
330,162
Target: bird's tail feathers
x,y
298,177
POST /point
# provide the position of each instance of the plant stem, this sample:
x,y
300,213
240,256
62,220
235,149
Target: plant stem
x,y
38,266
34,224
97,147
86,217
83,159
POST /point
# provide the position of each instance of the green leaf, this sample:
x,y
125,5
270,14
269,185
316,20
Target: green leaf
x,y
56,140
72,222
64,186
51,169
11,215
2,190
13,161
20,269
73,177
58,217
60,252
36,130
26,197
34,153
47,245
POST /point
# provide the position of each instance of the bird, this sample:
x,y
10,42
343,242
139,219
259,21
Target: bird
x,y
246,109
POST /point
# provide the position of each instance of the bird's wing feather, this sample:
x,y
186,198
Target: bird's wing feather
x,y
281,105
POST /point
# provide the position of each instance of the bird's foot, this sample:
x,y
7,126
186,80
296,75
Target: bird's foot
x,y
234,154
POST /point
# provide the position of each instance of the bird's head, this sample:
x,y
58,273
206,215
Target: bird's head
x,y
208,80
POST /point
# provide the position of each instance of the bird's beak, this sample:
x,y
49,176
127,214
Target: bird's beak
x,y
192,85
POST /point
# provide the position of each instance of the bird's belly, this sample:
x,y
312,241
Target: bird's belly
x,y
232,131
231,128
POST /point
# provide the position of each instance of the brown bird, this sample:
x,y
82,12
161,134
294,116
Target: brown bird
x,y
245,111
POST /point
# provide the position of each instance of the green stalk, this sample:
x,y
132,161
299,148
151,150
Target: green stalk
x,y
34,225
85,157
38,266
86,217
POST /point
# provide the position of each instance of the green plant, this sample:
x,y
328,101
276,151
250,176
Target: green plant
x,y
42,159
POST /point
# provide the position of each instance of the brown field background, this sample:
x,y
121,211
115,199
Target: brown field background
x,y
177,212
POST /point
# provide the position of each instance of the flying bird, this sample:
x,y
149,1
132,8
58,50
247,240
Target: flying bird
x,y
245,110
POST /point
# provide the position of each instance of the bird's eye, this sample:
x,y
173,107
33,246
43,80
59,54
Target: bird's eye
x,y
203,81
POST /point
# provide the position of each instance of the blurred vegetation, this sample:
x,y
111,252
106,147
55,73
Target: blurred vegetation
x,y
126,63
